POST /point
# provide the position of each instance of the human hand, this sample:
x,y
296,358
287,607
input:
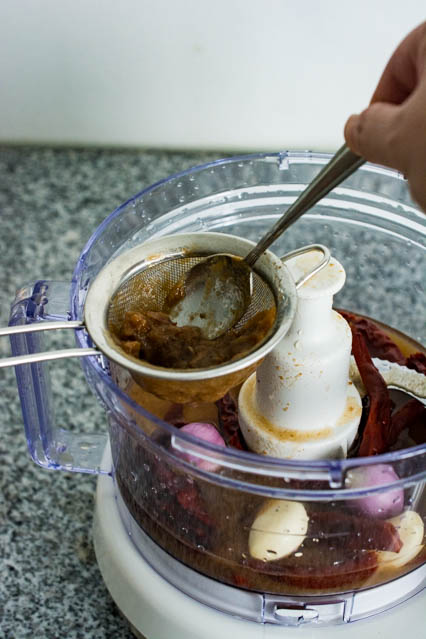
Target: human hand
x,y
392,130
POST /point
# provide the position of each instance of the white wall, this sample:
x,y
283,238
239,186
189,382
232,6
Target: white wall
x,y
237,74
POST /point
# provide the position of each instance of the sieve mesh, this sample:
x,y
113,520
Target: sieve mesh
x,y
149,287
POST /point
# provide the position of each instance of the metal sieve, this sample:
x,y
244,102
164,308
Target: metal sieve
x,y
148,290
141,278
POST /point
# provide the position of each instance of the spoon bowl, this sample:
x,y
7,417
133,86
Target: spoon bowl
x,y
215,293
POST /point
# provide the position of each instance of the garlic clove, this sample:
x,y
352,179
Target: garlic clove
x,y
278,530
410,528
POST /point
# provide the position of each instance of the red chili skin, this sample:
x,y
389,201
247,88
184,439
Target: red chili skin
x,y
417,361
229,426
378,343
375,439
412,415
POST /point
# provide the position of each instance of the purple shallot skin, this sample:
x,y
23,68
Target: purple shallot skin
x,y
208,433
384,504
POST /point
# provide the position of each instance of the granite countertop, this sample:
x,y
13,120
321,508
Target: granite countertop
x,y
51,200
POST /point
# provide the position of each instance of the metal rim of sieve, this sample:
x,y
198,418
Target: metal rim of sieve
x,y
119,269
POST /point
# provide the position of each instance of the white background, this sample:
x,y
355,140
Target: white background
x,y
220,74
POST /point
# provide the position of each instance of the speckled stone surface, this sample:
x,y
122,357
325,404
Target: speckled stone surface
x,y
51,200
50,203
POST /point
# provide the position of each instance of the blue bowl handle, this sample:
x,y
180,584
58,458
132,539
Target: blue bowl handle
x,y
50,446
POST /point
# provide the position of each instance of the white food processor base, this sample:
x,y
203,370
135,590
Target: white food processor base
x,y
157,609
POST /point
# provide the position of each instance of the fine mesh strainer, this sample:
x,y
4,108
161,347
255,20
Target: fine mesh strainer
x,y
149,288
140,280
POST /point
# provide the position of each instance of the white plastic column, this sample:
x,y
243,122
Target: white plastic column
x,y
300,402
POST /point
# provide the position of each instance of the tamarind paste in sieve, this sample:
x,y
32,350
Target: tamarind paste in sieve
x,y
152,336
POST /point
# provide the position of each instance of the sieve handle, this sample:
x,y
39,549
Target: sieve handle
x,y
307,249
31,358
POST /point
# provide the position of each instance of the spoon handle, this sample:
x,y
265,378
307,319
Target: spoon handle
x,y
341,166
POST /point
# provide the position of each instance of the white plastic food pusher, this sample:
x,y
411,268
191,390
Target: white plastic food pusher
x,y
300,403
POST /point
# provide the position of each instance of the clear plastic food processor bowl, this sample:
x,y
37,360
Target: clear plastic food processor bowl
x,y
197,501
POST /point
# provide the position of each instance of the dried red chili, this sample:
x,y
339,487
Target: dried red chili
x,y
378,343
417,361
375,439
229,424
411,415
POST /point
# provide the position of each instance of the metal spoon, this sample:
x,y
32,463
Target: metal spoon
x,y
215,293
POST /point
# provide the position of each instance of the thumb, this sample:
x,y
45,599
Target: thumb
x,y
373,134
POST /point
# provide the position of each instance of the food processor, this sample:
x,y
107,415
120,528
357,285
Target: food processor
x,y
182,528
